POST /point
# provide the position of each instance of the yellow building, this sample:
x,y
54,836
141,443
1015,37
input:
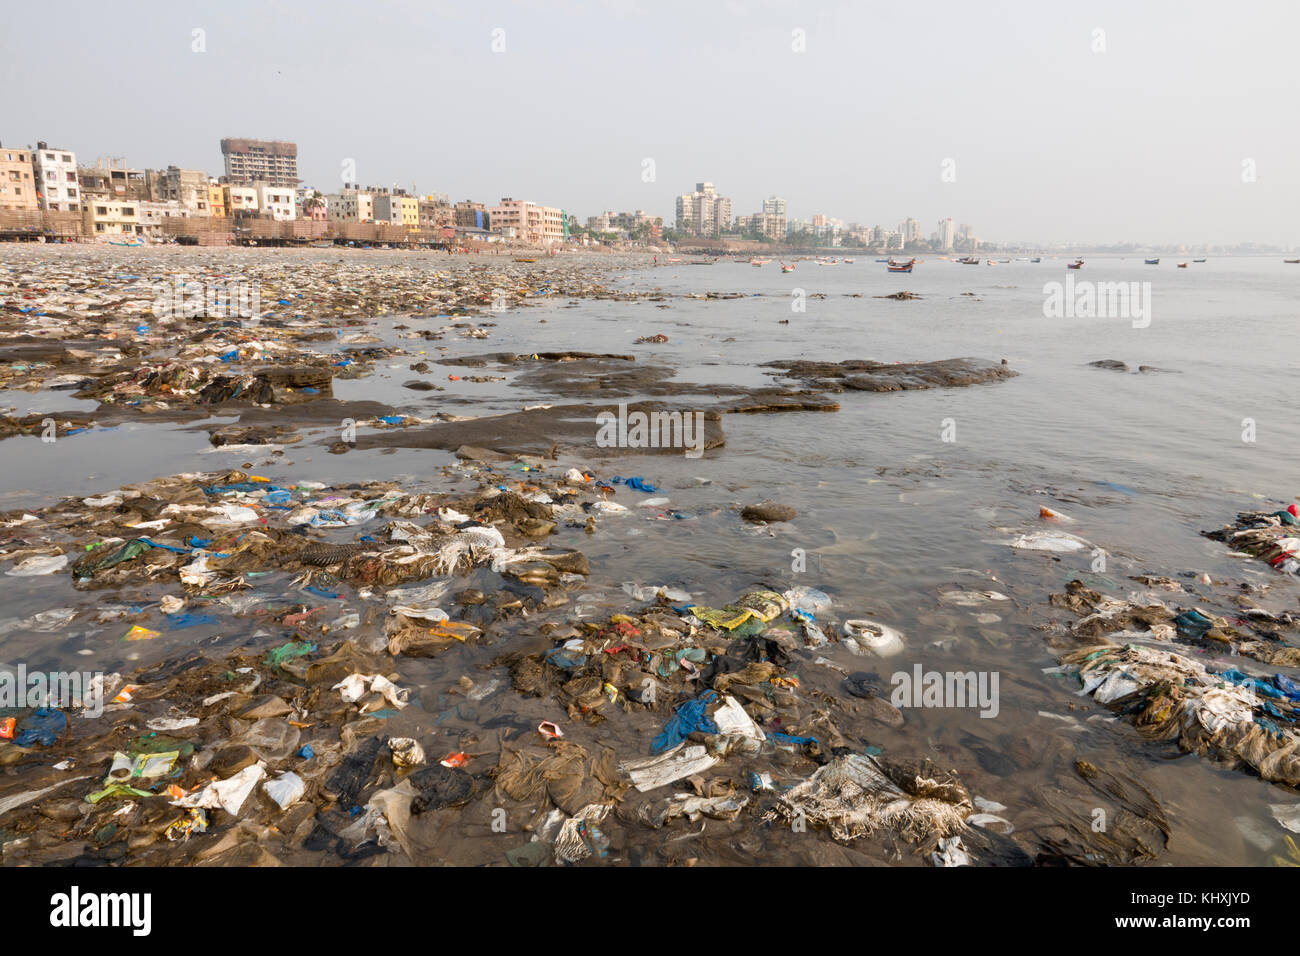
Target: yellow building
x,y
217,201
112,217
410,212
17,185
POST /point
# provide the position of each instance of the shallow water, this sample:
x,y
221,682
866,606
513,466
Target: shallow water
x,y
889,513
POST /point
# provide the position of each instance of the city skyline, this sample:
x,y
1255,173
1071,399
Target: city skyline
x,y
564,104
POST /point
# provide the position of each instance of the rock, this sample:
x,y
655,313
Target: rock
x,y
768,511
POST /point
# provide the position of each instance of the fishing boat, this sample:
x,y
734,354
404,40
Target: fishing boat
x,y
1291,261
323,244
1151,262
1077,264
521,259
970,261
1198,260
900,266
850,260
137,241
1036,259
702,262
1182,265
990,262
787,268
759,262
675,259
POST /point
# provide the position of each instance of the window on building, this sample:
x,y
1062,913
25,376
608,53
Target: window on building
x,y
101,210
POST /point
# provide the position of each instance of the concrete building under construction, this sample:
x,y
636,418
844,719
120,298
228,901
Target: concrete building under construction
x,y
260,160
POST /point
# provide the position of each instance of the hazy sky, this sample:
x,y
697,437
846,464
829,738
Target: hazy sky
x,y
1049,140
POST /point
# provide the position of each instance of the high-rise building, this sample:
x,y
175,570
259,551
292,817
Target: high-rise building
x,y
55,172
947,235
260,160
703,212
774,218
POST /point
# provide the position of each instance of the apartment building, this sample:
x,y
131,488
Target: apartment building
x,y
108,179
397,208
217,207
522,219
55,174
112,217
351,205
240,200
436,213
17,181
250,161
189,187
470,215
277,202
703,212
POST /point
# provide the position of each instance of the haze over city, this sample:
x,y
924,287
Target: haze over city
x,y
1170,125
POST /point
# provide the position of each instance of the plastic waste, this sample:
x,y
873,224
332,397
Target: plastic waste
x,y
690,716
407,751
870,637
229,794
286,789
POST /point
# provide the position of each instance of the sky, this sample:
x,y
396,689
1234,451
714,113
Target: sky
x,y
1157,121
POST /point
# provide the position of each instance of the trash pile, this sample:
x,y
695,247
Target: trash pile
x,y
204,326
1270,536
317,735
1139,657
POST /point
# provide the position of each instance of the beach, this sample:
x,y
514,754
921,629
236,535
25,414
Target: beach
x,y
937,467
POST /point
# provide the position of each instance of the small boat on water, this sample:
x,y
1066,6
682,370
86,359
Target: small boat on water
x,y
893,266
1036,259
1182,265
702,262
1198,260
1151,262
850,260
759,262
970,261
787,268
675,259
1291,261
1077,264
990,262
